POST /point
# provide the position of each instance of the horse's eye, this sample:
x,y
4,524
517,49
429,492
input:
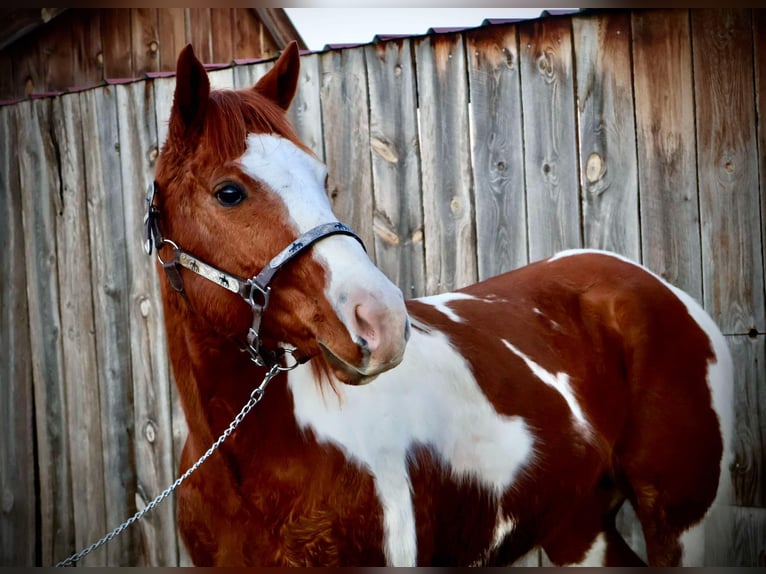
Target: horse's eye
x,y
230,195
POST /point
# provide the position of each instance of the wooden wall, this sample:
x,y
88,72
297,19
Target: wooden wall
x,y
456,156
84,46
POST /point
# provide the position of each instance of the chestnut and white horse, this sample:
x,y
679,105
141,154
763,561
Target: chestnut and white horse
x,y
462,428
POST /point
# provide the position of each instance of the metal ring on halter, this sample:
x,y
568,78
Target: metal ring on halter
x,y
169,242
289,366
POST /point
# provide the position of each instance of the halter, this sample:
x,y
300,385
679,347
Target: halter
x,y
255,290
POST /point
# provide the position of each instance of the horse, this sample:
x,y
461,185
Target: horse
x,y
463,428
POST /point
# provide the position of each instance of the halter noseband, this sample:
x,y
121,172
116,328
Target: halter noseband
x,y
255,291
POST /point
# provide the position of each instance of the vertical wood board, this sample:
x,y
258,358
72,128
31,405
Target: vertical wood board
x,y
398,207
171,30
607,142
109,278
38,172
347,144
498,150
18,520
305,113
449,226
550,136
78,331
144,40
727,167
666,147
749,468
117,46
155,469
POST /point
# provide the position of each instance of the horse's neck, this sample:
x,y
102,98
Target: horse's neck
x,y
213,375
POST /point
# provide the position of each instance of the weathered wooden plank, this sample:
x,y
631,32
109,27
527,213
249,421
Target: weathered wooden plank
x,y
18,520
246,34
498,150
221,24
117,49
40,202
155,469
145,40
305,113
727,167
749,472
398,216
547,90
247,75
171,29
109,278
27,69
607,153
163,101
745,530
56,55
87,52
666,147
347,145
199,33
222,78
630,529
7,88
78,331
759,38
445,151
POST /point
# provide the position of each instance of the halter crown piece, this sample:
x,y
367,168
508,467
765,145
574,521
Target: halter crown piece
x,y
255,290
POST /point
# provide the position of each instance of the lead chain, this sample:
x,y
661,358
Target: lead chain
x,y
255,398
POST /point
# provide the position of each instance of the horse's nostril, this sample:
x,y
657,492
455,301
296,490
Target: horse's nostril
x,y
363,344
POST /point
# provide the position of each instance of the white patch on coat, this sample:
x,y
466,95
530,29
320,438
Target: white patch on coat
x,y
423,401
439,302
298,179
596,555
559,382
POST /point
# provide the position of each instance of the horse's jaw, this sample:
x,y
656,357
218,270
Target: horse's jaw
x,y
356,375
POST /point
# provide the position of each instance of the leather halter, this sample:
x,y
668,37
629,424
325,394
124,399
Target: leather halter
x,y
255,290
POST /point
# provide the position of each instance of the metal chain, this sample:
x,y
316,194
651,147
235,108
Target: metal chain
x,y
255,398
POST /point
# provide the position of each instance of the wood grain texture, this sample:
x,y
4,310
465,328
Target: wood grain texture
x,y
109,278
398,215
199,33
87,48
7,90
18,520
221,35
56,55
247,34
78,331
247,75
347,143
666,147
727,167
145,41
607,152
745,529
40,204
155,468
550,134
163,100
759,38
117,47
221,79
171,28
497,147
305,113
749,471
448,219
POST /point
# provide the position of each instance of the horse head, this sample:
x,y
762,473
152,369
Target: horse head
x,y
235,187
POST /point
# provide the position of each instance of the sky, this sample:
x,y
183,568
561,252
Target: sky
x,y
321,26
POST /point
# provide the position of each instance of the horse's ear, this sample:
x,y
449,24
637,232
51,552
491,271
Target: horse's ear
x,y
187,118
280,83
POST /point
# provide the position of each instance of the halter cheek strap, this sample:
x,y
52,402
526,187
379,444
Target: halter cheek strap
x,y
255,290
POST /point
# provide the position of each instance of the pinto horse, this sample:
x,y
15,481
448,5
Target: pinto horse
x,y
458,429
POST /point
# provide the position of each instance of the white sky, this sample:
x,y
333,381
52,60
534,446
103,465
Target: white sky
x,y
321,26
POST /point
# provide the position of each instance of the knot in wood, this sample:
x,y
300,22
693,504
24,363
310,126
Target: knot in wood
x,y
150,432
594,167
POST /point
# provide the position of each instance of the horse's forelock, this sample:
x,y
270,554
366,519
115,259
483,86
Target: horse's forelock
x,y
233,114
